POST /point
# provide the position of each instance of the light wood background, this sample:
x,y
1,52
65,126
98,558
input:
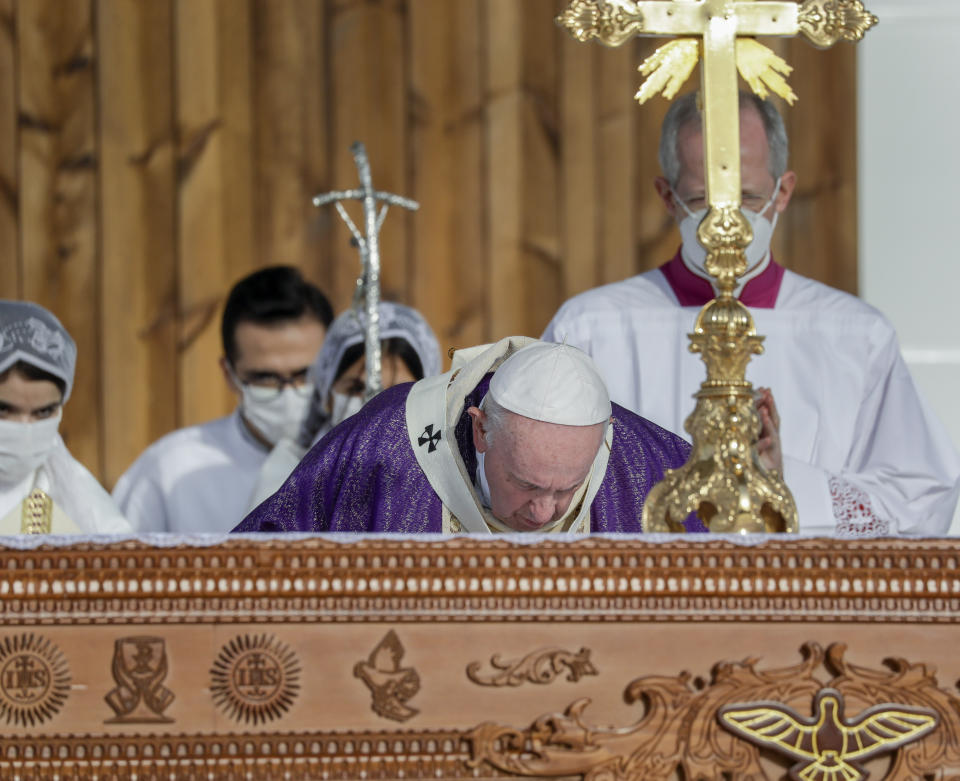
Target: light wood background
x,y
152,152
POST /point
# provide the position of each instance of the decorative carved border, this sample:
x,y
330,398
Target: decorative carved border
x,y
462,579
273,757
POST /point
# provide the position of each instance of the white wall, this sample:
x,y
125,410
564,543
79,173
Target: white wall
x,y
909,178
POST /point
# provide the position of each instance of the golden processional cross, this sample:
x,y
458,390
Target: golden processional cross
x,y
724,481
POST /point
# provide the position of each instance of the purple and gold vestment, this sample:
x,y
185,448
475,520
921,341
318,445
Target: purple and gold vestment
x,y
363,476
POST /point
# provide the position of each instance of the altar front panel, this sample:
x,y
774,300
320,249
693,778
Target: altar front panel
x,y
389,658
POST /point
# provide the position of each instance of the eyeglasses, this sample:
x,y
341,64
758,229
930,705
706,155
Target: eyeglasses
x,y
269,385
755,203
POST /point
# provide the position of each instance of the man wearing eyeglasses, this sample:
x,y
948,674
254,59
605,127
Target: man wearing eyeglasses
x,y
200,478
862,452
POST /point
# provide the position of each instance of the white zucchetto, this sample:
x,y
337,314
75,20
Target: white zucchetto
x,y
552,383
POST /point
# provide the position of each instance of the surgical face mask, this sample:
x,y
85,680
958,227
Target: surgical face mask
x,y
25,446
276,414
757,252
343,407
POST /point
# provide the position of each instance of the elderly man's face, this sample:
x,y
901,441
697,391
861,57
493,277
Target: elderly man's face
x,y
534,468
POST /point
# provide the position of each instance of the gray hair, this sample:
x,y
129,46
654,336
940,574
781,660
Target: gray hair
x,y
686,110
496,418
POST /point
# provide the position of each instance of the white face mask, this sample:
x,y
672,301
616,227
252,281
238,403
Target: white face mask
x,y
25,446
758,251
276,415
343,407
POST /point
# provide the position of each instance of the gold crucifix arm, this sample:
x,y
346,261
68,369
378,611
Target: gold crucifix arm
x,y
614,22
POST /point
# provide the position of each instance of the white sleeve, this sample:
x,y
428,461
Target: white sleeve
x,y
140,498
902,474
281,461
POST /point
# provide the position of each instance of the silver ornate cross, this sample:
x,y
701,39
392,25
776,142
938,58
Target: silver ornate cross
x,y
368,284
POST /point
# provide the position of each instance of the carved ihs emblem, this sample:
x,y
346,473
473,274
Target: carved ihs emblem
x,y
139,668
390,684
255,679
34,680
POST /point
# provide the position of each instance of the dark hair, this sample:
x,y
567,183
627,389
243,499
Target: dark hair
x,y
31,372
269,296
395,345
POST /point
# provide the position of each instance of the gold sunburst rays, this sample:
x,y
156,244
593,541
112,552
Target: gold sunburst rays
x,y
669,67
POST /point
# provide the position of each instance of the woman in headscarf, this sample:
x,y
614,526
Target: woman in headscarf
x,y
409,353
43,489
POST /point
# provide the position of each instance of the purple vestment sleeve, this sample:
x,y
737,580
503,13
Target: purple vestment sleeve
x,y
363,475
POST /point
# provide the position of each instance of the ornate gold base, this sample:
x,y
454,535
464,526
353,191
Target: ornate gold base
x,y
723,481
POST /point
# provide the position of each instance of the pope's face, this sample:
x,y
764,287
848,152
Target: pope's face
x,y
756,181
535,468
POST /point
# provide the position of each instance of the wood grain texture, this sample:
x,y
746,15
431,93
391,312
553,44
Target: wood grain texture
x,y
138,273
504,154
57,194
580,210
10,267
368,103
202,268
447,250
820,236
151,154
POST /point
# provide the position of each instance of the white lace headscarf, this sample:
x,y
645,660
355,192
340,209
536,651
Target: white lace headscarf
x,y
349,329
31,334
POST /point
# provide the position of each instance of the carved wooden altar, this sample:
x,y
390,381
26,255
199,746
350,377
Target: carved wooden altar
x,y
599,658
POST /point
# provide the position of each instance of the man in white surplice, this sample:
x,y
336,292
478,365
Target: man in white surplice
x,y
863,453
201,478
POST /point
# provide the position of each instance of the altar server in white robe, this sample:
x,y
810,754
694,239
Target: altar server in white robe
x,y
201,478
863,453
42,487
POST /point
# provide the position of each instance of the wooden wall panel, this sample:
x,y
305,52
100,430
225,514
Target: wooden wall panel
x,y
820,236
580,209
138,228
504,155
448,284
9,181
368,100
286,38
179,143
202,268
540,196
616,163
58,202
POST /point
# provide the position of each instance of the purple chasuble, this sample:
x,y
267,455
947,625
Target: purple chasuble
x,y
363,475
